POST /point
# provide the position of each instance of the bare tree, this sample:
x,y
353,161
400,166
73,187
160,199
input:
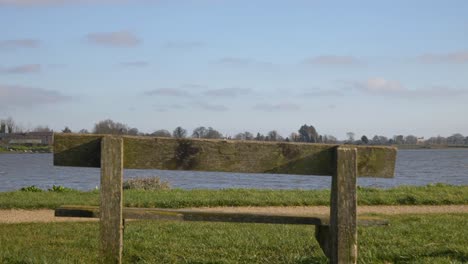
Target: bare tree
x,y
213,133
110,127
42,129
161,133
66,130
10,124
456,139
200,132
179,132
259,137
383,140
399,139
308,134
244,136
329,139
364,139
410,139
350,136
274,136
203,132
2,126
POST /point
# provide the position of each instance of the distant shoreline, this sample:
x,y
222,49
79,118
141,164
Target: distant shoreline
x,y
49,149
25,149
431,146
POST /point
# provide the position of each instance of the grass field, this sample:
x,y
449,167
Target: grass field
x,y
426,195
408,239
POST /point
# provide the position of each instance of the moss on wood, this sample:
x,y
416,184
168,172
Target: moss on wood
x,y
222,155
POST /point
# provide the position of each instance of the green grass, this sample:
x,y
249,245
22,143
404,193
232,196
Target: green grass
x,y
408,239
438,194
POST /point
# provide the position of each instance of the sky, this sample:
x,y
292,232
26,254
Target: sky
x,y
368,67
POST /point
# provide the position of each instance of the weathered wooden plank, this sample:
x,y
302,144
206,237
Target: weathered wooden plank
x,y
197,215
77,150
111,225
222,155
343,211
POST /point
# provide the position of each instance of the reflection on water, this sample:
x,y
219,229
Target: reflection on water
x,y
414,167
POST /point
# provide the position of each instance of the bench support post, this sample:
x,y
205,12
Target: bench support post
x,y
343,219
322,235
111,225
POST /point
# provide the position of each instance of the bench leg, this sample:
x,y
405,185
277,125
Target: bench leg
x,y
322,234
343,216
111,224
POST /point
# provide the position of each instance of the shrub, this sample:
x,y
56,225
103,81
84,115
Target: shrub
x,y
153,183
59,188
31,188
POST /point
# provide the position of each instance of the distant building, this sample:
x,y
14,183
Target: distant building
x,y
37,138
420,140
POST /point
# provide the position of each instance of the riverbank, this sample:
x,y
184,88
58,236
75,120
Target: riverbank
x,y
25,149
438,194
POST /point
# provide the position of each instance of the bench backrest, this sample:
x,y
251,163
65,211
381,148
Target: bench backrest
x,y
222,155
113,153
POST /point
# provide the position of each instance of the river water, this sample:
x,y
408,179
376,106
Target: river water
x,y
413,167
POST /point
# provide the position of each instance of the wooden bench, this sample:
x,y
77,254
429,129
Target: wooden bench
x,y
336,234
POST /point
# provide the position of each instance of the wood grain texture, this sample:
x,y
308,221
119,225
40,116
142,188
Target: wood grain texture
x,y
191,215
111,225
222,155
343,211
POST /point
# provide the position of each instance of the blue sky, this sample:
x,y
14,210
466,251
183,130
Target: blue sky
x,y
370,67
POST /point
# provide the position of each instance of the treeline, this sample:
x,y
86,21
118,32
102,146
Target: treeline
x,y
305,133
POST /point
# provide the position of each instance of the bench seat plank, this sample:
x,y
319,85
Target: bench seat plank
x,y
200,215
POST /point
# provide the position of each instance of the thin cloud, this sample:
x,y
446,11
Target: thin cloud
x,y
135,64
453,58
165,108
381,86
11,44
277,107
211,107
183,44
168,92
22,69
442,91
333,60
320,93
57,66
23,96
123,39
228,92
236,62
193,86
